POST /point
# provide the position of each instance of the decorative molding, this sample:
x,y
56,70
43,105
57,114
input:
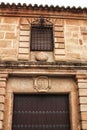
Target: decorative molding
x,y
41,21
41,56
42,84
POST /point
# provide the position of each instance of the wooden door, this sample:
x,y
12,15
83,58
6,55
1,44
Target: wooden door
x,y
41,112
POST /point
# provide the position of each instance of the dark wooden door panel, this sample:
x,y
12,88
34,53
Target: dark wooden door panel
x,y
41,112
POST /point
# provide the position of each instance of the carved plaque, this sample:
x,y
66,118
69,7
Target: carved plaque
x,y
42,84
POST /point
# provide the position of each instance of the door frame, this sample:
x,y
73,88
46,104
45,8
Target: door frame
x,y
70,88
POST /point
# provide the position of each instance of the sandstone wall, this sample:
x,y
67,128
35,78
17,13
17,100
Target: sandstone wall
x,y
9,38
70,37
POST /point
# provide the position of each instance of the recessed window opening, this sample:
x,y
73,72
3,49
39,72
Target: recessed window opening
x,y
41,37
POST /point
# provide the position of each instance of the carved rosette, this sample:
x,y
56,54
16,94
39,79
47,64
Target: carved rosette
x,y
42,84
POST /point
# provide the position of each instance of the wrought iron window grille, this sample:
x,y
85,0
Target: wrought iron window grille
x,y
41,36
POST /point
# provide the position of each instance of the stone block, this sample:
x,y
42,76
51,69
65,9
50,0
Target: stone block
x,y
73,56
71,28
58,40
24,38
83,108
24,33
82,92
2,91
59,34
1,125
82,85
84,125
72,22
58,28
1,35
82,80
2,99
68,34
59,57
84,22
7,27
1,107
85,37
10,20
83,100
2,79
59,51
23,57
60,46
75,34
1,115
72,42
83,115
83,29
23,50
3,75
5,43
8,52
25,27
24,44
2,84
10,36
9,58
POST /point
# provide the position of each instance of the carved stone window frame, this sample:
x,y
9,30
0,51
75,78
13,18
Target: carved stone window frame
x,y
42,25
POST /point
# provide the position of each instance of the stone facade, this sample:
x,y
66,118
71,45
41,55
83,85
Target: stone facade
x,y
65,66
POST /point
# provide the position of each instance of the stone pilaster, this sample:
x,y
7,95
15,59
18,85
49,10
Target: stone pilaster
x,y
3,79
82,87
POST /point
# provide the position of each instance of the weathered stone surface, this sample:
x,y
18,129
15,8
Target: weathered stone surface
x,y
83,108
59,40
7,27
83,92
60,51
24,33
23,50
1,107
84,116
2,91
24,38
83,100
70,46
10,36
6,43
1,116
1,35
1,125
11,20
2,99
8,52
23,57
84,125
24,44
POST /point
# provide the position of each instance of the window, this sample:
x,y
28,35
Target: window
x,y
41,38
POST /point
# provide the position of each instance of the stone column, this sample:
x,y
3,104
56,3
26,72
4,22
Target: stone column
x,y
82,87
3,79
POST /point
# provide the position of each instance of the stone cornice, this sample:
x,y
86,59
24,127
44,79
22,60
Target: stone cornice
x,y
55,65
